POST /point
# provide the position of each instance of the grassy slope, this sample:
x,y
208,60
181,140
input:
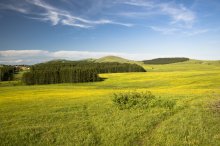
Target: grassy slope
x,y
114,59
191,65
83,114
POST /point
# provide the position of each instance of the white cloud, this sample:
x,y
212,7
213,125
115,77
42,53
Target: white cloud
x,y
164,30
177,13
196,32
181,21
58,16
22,53
139,3
175,30
14,8
12,61
138,14
77,55
80,54
123,24
53,17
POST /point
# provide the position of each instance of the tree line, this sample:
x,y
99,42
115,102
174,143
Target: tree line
x,y
7,72
74,71
165,60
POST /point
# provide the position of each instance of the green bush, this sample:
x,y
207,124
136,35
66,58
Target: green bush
x,y
133,99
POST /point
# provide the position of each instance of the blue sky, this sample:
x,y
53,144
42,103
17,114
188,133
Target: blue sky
x,y
32,31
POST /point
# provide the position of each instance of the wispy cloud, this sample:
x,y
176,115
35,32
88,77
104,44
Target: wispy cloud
x,y
23,56
79,54
178,18
164,30
137,15
196,32
59,16
182,19
20,53
12,61
139,3
14,8
173,30
64,17
177,12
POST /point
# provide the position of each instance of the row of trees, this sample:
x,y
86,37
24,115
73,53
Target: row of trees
x,y
74,71
7,72
165,60
65,75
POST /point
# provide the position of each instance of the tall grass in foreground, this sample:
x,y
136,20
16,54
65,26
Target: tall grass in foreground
x,y
180,114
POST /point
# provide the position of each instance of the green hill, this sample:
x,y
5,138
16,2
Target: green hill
x,y
89,60
114,59
57,61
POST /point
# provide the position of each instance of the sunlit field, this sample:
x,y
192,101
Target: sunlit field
x,y
84,114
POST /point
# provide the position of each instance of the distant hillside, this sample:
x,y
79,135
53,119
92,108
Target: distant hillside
x,y
113,59
89,60
57,61
165,60
207,62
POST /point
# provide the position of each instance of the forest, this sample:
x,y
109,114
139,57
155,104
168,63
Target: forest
x,y
7,72
166,60
74,71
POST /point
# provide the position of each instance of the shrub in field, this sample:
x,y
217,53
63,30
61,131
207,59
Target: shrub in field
x,y
133,99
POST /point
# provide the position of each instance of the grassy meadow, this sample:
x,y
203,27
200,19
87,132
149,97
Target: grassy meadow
x,y
84,114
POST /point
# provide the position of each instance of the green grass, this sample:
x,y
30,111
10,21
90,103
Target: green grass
x,y
191,65
84,114
18,76
114,59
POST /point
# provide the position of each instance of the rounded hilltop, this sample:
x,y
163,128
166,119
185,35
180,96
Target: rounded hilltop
x,y
113,59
